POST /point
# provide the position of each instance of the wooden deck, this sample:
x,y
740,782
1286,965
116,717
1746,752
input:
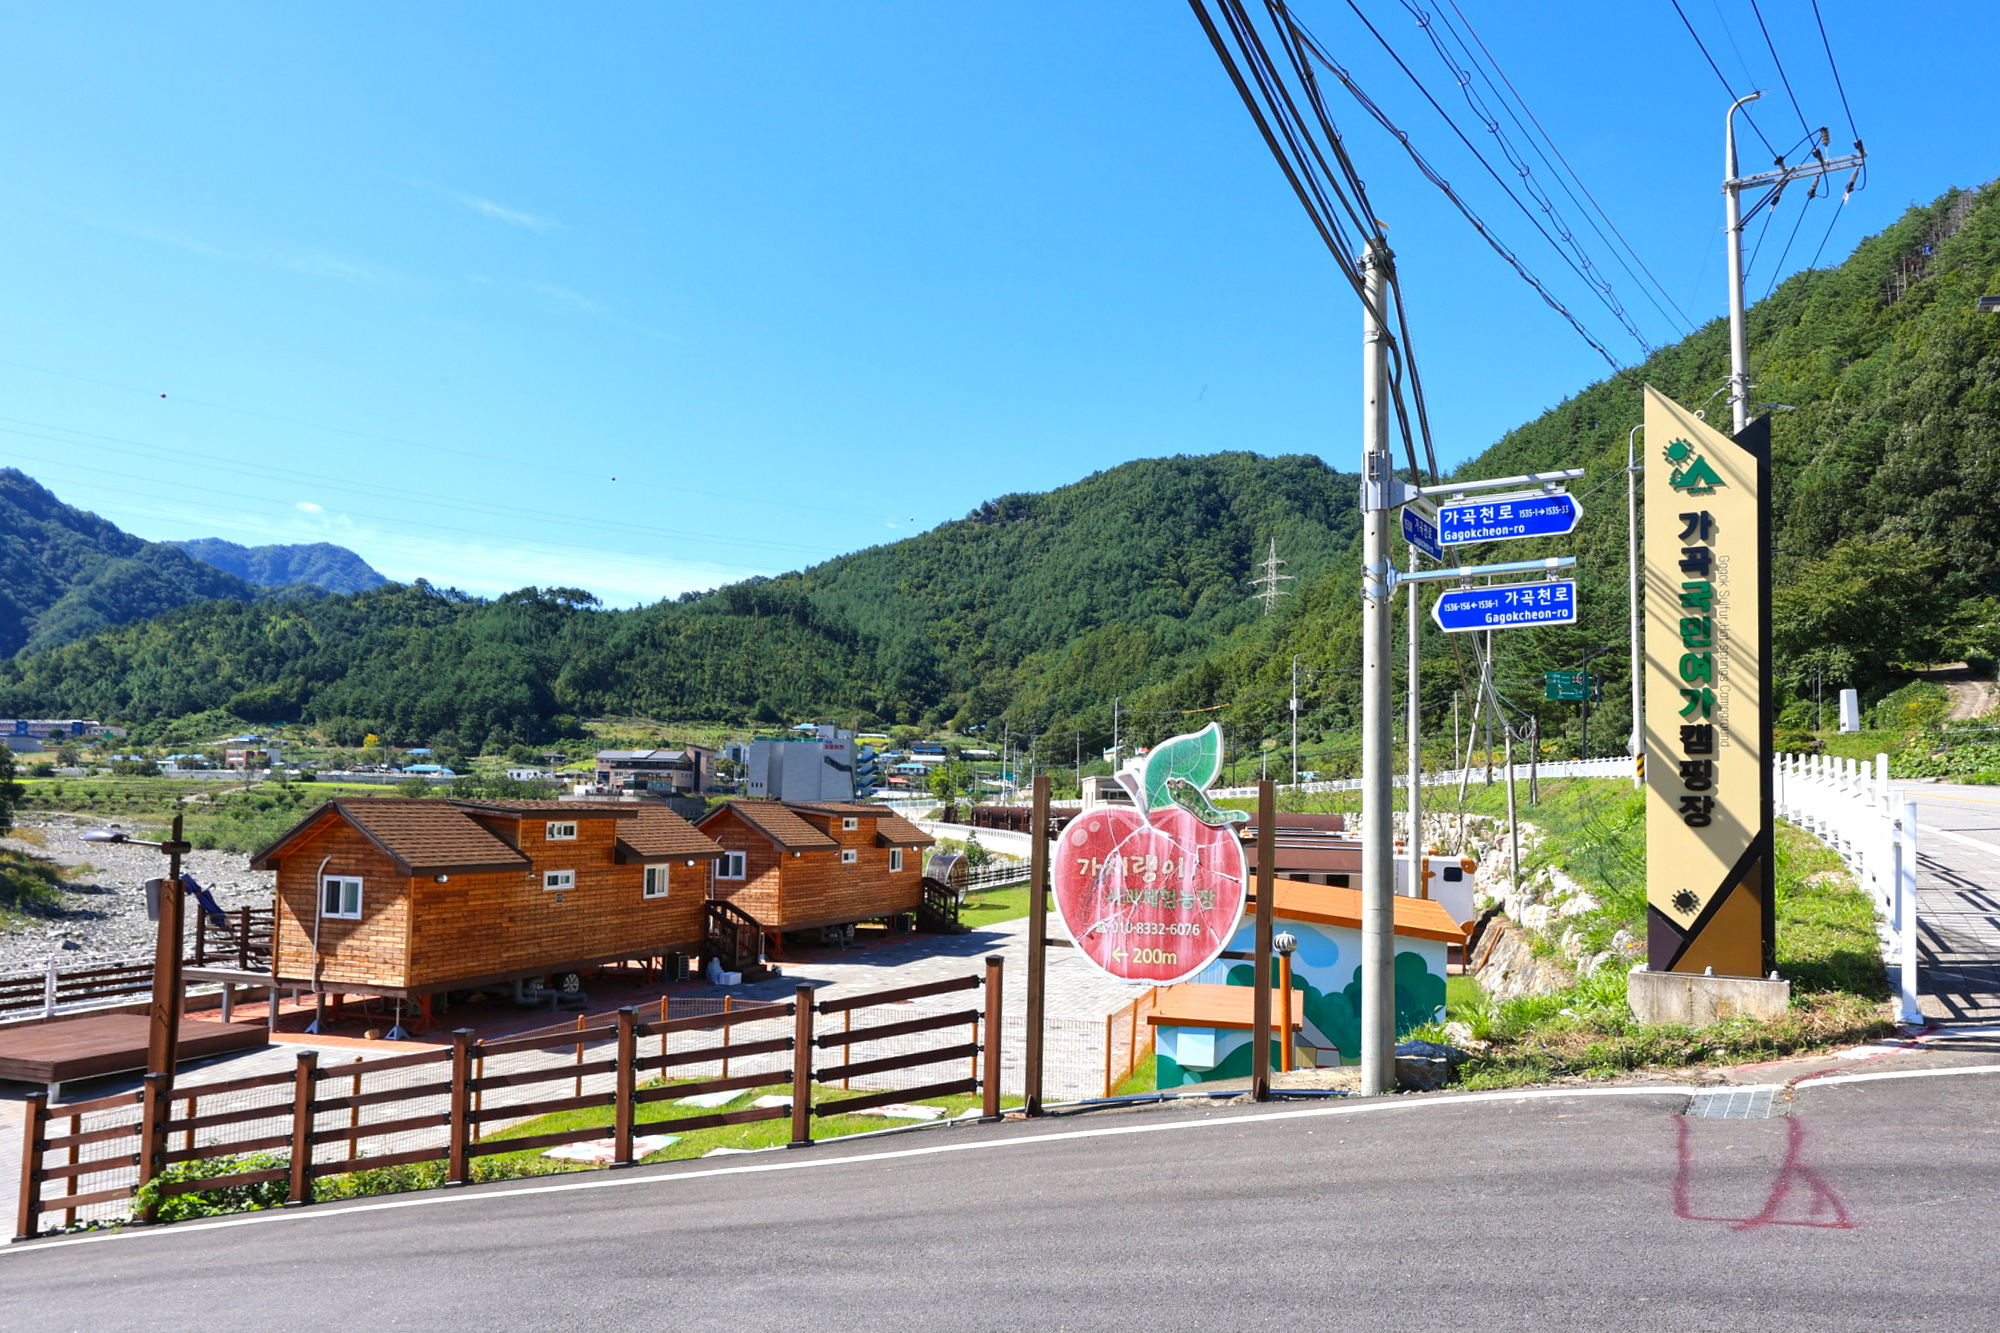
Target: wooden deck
x,y
75,1048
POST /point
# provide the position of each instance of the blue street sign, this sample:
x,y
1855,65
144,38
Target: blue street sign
x,y
1506,517
1509,606
1420,532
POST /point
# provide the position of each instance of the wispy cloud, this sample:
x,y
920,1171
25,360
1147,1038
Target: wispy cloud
x,y
308,507
312,263
513,217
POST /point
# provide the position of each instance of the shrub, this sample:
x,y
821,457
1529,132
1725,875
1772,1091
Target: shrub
x,y
208,1203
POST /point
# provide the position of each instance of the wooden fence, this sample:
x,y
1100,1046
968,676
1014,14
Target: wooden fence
x,y
54,987
87,1154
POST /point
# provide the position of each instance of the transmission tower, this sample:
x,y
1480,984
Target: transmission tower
x,y
1270,583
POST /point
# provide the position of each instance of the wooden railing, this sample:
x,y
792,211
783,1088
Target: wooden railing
x,y
732,935
242,939
161,1126
55,987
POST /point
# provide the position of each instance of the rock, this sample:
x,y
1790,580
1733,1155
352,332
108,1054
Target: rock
x,y
1461,1036
1432,1050
1422,1073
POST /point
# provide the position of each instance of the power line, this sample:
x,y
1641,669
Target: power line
x,y
1838,86
1687,323
1584,265
1783,78
1322,57
1721,76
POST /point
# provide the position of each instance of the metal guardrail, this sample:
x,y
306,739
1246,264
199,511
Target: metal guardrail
x,y
1850,806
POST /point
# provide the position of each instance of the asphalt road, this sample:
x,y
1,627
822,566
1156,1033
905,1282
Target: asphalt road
x,y
1958,900
1870,1205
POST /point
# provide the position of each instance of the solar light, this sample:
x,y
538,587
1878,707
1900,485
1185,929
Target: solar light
x,y
1989,305
113,834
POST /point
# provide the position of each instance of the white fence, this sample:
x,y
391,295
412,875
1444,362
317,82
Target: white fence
x,y
1619,767
1851,808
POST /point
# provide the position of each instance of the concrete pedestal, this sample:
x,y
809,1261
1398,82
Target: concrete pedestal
x,y
1698,1000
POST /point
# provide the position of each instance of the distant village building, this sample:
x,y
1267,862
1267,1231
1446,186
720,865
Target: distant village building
x,y
52,731
686,771
826,765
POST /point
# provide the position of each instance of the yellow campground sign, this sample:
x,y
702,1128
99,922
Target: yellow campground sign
x,y
1709,867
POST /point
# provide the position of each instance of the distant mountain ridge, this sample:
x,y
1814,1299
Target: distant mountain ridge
x,y
322,564
66,573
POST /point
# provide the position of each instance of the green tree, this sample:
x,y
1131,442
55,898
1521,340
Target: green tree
x,y
10,790
1857,611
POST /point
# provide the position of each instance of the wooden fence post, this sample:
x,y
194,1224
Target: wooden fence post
x,y
725,1035
458,1167
36,1124
302,1127
579,1055
802,1040
628,1084
989,1099
154,1109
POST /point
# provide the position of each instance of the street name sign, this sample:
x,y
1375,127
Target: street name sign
x,y
1421,531
1508,606
1496,518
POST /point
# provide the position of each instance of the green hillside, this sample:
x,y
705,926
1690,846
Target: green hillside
x,y
1073,595
1039,610
322,564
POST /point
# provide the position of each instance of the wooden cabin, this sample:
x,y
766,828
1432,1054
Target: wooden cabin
x,y
806,866
409,897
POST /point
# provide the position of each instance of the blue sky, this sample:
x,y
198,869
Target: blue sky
x,y
646,298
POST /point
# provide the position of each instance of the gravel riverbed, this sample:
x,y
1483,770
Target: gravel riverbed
x,y
104,913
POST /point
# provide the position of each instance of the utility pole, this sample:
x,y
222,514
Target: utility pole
x,y
1295,720
1732,190
1378,847
1637,745
1413,725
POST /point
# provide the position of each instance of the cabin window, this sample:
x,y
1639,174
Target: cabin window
x,y
557,880
848,856
734,865
340,896
656,882
849,824
563,831
895,859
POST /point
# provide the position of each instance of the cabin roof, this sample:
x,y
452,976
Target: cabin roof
x,y
519,809
658,834
423,837
1330,905
1201,1004
776,822
892,830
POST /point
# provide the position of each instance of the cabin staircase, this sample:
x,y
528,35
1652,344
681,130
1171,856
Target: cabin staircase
x,y
735,938
938,912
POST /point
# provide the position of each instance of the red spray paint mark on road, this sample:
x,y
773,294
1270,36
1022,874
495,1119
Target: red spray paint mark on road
x,y
1797,1188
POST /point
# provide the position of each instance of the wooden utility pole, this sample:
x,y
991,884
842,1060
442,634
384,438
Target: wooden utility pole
x,y
163,1040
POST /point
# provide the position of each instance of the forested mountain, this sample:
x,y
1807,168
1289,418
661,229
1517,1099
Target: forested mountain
x,y
1039,610
322,564
66,573
1064,598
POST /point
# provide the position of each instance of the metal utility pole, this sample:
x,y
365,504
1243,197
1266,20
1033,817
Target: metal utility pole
x,y
1378,846
1295,719
1413,726
1732,213
1732,191
1637,745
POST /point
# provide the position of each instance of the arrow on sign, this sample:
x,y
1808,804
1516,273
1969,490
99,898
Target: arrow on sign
x,y
1509,606
1499,518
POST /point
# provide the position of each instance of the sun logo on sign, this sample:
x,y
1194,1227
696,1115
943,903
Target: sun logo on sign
x,y
1686,901
1695,478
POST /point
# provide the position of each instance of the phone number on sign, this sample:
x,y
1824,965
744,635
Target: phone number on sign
x,y
1151,928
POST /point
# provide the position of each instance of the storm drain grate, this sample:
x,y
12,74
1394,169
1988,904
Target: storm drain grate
x,y
1733,1104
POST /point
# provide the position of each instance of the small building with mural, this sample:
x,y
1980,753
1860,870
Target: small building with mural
x,y
1202,1034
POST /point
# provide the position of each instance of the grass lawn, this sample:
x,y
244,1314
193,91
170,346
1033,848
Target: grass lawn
x,y
659,1117
989,907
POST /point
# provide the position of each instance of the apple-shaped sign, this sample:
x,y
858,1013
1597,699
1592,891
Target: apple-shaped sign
x,y
1154,892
